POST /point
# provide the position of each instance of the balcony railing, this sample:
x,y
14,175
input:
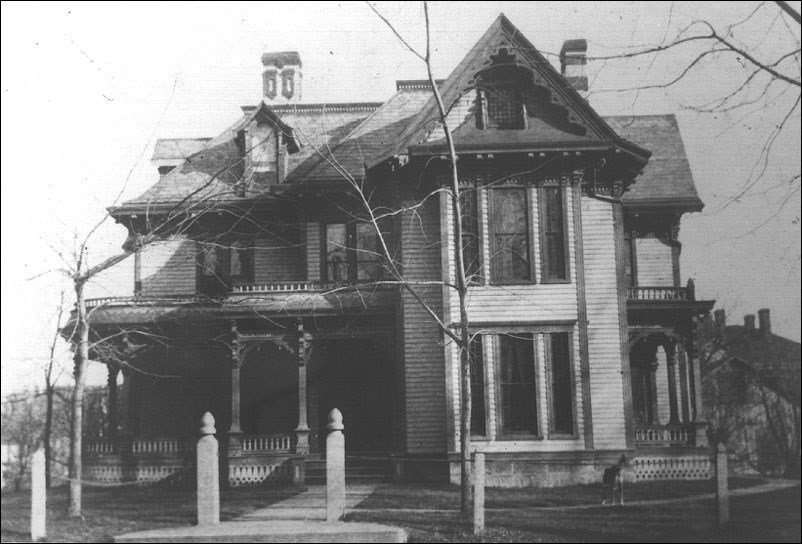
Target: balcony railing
x,y
661,293
282,287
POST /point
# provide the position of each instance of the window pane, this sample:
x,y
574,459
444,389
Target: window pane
x,y
477,388
562,400
517,384
210,260
241,262
367,252
553,226
336,255
510,258
504,108
470,233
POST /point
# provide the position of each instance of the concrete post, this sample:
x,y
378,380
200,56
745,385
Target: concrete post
x,y
722,491
208,474
478,493
38,497
335,467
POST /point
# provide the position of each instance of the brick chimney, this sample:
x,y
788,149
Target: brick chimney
x,y
281,77
765,321
749,321
573,58
720,319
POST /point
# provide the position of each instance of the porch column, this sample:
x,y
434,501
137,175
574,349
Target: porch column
x,y
114,371
302,430
237,355
661,387
683,386
671,364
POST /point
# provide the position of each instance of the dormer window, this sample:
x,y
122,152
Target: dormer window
x,y
501,90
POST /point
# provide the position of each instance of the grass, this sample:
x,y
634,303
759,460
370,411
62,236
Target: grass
x,y
114,511
447,497
768,517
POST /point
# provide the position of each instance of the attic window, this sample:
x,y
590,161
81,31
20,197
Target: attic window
x,y
504,108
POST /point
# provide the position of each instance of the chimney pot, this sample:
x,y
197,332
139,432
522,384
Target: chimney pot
x,y
749,321
281,76
765,321
573,58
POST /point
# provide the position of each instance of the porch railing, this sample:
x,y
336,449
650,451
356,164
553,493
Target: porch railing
x,y
139,446
663,435
274,443
281,287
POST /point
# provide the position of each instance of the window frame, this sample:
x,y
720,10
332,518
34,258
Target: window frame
x,y
222,280
545,277
352,252
548,367
494,276
501,433
473,274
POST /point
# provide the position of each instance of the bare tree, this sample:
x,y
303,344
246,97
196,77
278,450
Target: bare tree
x,y
761,53
22,429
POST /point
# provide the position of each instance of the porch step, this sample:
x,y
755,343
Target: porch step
x,y
357,471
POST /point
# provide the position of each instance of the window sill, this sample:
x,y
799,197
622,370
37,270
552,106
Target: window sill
x,y
555,282
563,437
518,437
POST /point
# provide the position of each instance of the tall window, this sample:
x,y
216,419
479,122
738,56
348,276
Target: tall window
x,y
562,395
517,386
510,235
471,247
554,243
629,258
478,413
352,252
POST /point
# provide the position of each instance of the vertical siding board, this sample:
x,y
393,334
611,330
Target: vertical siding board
x,y
578,266
603,315
424,364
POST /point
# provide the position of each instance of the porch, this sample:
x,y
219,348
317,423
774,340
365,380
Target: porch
x,y
271,412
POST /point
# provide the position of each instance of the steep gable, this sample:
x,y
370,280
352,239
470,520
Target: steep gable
x,y
557,115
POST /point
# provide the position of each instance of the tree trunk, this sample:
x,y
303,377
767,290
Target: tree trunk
x,y
81,358
49,391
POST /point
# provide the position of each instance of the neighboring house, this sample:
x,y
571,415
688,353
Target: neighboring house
x,y
752,394
270,300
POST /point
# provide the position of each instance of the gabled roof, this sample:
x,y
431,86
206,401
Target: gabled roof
x,y
342,140
503,35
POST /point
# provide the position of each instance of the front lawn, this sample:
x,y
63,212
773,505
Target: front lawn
x,y
447,497
765,517
114,511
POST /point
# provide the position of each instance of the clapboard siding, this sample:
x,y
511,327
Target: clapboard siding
x,y
277,259
313,251
534,302
424,365
654,262
604,340
169,267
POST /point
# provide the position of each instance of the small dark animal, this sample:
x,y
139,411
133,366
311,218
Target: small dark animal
x,y
613,480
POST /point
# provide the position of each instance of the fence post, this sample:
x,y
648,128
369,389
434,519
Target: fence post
x,y
38,497
208,474
335,467
722,491
478,493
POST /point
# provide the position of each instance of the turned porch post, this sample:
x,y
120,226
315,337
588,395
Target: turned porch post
x,y
671,363
237,353
302,430
114,371
683,386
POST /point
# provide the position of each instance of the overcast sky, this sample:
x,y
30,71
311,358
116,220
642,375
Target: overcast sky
x,y
87,87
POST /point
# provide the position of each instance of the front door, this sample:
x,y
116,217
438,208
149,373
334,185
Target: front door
x,y
356,378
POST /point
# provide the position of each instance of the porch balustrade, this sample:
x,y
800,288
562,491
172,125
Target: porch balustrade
x,y
663,435
285,286
139,446
270,443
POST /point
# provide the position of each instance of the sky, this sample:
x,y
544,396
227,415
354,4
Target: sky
x,y
88,87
